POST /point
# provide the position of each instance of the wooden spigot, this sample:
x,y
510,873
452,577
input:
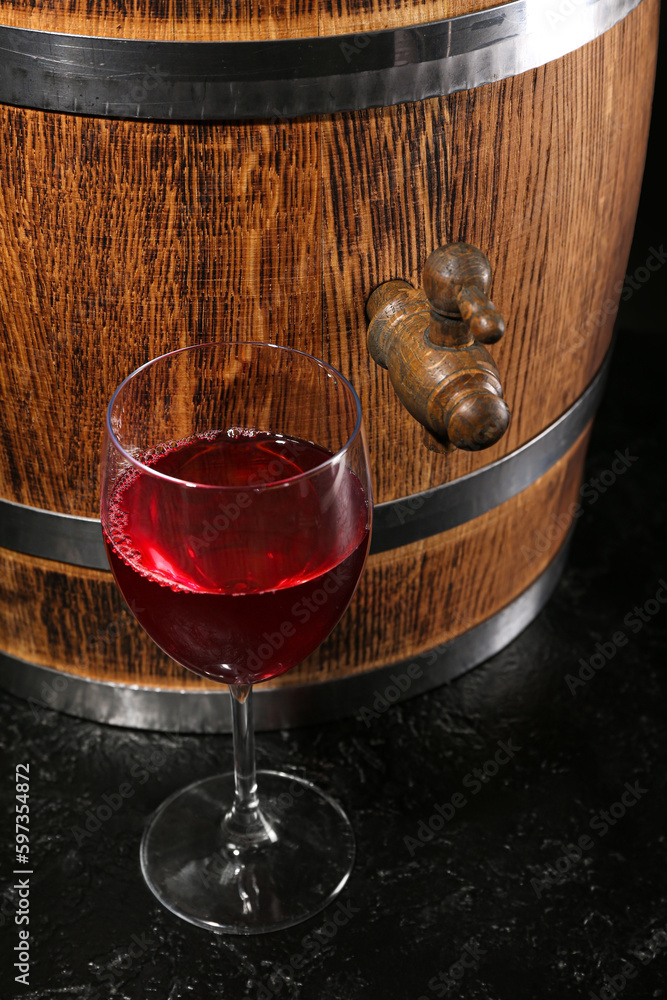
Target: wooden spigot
x,y
430,342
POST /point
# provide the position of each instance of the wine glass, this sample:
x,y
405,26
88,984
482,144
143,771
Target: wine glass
x,y
236,510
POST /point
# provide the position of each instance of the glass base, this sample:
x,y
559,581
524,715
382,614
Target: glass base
x,y
304,866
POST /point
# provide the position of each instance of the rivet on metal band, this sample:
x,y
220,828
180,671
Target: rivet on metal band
x,y
285,78
78,540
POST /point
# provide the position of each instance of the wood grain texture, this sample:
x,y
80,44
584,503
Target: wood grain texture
x,y
232,20
75,620
120,244
121,240
542,172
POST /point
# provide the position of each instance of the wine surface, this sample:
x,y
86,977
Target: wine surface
x,y
243,583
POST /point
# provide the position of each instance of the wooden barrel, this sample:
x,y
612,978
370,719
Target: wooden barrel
x,y
170,174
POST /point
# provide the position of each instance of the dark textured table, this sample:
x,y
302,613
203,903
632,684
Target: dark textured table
x,y
510,826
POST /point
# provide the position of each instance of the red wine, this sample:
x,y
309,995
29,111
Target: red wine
x,y
237,584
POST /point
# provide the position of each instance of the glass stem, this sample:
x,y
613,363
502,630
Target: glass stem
x,y
244,825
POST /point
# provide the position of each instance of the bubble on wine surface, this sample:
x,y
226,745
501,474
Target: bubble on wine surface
x,y
241,432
